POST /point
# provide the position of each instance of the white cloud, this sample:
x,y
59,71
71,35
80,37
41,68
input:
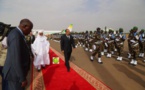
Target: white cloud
x,y
84,14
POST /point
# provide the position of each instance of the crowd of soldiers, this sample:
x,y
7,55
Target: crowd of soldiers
x,y
101,42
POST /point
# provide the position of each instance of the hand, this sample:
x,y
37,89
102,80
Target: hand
x,y
24,83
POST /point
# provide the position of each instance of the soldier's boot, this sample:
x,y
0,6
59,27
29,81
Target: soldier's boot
x,y
129,55
118,58
142,55
83,45
100,61
105,50
91,50
108,55
132,61
112,52
86,49
102,53
115,50
91,58
135,63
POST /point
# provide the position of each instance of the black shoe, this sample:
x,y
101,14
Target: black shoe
x,y
100,62
68,70
91,60
38,70
43,67
134,65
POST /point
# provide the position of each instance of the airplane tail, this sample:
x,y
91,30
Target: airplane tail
x,y
69,27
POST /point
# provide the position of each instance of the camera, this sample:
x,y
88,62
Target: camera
x,y
4,30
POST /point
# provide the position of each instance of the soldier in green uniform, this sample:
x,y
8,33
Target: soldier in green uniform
x,y
82,39
119,43
105,35
76,39
130,37
91,37
141,43
116,35
103,43
86,39
98,43
110,43
134,46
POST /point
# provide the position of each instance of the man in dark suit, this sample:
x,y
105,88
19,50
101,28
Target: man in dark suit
x,y
17,62
67,42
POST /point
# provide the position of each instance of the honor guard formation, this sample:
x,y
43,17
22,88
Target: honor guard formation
x,y
103,42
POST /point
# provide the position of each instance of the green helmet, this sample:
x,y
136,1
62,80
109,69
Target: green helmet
x,y
142,30
91,32
135,28
131,30
120,29
110,31
98,29
86,31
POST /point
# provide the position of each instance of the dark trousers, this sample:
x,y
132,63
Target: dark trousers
x,y
141,47
4,82
15,86
67,58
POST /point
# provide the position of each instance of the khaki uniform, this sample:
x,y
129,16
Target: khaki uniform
x,y
141,44
110,45
119,43
98,45
3,53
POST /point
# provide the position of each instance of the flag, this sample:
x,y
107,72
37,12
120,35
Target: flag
x,y
55,60
70,27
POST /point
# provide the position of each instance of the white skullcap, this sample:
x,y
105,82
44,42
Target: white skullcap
x,y
40,31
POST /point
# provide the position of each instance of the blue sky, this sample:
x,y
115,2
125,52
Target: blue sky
x,y
83,14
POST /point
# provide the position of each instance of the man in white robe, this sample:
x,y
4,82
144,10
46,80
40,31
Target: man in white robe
x,y
40,49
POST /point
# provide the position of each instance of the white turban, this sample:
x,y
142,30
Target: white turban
x,y
40,31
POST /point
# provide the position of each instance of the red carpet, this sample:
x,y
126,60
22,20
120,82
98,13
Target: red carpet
x,y
56,77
